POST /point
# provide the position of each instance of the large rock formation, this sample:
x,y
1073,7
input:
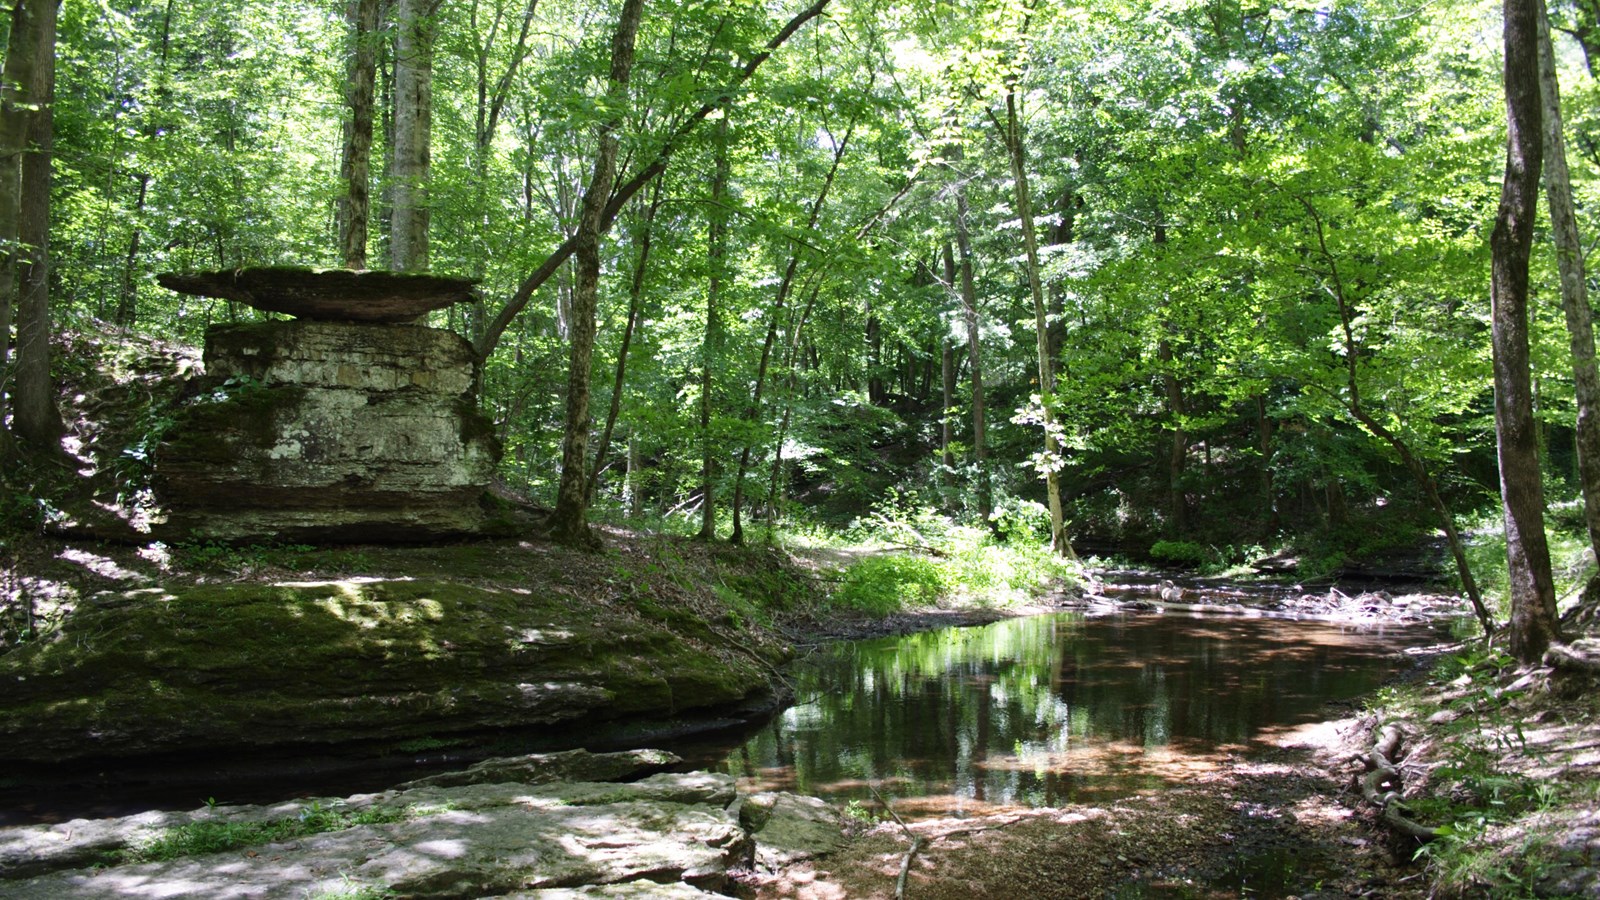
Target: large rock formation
x,y
225,669
666,836
323,430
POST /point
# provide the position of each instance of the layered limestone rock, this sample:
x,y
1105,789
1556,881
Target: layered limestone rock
x,y
337,431
666,836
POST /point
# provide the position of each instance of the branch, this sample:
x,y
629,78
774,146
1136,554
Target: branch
x,y
624,193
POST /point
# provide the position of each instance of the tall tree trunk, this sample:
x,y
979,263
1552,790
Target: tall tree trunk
x,y
1178,448
969,308
17,101
792,360
568,522
1269,499
635,302
355,169
711,343
413,126
1011,130
947,396
785,286
1533,604
128,301
34,411
1574,290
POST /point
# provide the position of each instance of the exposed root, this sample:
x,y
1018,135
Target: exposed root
x,y
1381,785
1574,657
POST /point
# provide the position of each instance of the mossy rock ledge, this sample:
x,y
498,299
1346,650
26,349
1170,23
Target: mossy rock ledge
x,y
227,668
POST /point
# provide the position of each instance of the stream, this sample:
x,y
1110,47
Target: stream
x,y
1052,709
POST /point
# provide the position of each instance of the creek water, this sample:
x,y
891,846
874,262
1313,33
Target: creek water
x,y
1052,709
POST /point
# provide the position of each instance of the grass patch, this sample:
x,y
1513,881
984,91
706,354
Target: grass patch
x,y
204,836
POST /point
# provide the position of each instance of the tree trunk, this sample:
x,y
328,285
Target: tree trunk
x,y
1574,290
355,169
1352,402
34,411
969,308
128,301
947,394
413,126
711,344
568,522
635,302
1533,606
1264,444
17,86
785,286
1012,132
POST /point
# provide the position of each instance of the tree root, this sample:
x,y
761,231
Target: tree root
x,y
1572,658
1381,784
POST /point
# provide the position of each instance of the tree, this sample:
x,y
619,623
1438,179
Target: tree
x,y
1533,605
355,168
413,134
568,523
17,107
34,412
711,342
1574,288
1050,461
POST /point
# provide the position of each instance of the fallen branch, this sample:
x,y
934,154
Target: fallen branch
x,y
1380,786
916,844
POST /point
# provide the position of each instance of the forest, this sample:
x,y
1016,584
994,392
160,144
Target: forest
x,y
1207,279
1280,288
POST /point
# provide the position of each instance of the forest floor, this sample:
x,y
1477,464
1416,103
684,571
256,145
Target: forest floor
x,y
1508,759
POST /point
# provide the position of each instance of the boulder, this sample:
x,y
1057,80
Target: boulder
x,y
328,431
790,828
212,669
341,295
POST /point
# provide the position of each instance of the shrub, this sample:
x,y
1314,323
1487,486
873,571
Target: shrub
x,y
1183,553
880,585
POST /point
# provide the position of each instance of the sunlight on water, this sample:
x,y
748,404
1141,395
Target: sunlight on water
x,y
1053,709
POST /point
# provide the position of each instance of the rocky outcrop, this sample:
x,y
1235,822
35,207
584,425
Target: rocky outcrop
x,y
214,669
666,836
328,431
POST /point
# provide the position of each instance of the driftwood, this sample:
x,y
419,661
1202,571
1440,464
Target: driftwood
x,y
1381,784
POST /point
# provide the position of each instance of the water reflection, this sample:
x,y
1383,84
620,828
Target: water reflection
x,y
1052,709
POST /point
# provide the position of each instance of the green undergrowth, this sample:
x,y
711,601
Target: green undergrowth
x,y
910,556
1571,562
206,836
1500,820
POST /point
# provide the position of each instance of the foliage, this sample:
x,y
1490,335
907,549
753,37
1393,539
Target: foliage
x,y
881,585
1571,557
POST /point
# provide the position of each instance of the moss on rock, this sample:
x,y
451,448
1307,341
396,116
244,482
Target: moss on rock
x,y
298,663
